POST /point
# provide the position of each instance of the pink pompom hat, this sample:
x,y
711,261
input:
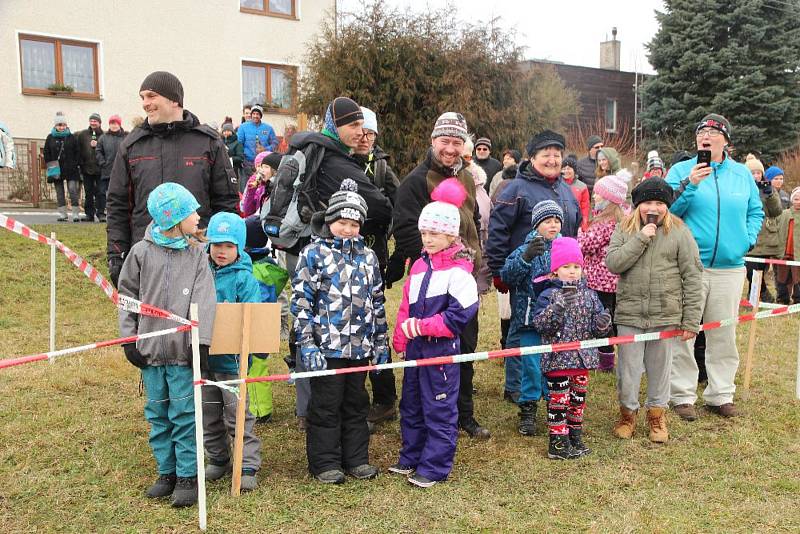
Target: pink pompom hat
x,y
442,214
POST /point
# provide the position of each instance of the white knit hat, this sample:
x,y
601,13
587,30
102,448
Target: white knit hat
x,y
442,214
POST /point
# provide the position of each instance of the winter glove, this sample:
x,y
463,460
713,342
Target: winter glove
x,y
114,268
765,187
570,297
134,356
603,321
381,356
535,249
395,270
411,328
499,284
313,359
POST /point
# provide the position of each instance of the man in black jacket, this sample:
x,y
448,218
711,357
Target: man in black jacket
x,y
442,161
171,146
484,159
90,169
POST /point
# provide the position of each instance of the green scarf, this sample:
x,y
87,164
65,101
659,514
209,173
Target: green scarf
x,y
327,133
56,133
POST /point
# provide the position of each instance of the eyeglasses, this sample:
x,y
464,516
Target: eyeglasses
x,y
481,149
369,135
711,132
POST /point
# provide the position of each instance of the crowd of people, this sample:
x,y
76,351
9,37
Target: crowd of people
x,y
576,249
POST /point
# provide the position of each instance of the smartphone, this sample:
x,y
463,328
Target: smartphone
x,y
704,156
652,218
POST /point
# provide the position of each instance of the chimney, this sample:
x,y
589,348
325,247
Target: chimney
x,y
610,52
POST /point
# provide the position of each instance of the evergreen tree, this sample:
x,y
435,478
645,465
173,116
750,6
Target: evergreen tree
x,y
410,67
739,58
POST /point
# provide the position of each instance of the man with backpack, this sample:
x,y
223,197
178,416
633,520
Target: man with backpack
x,y
376,166
320,161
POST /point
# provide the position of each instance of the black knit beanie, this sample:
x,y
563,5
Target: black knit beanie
x,y
345,111
164,83
346,203
653,189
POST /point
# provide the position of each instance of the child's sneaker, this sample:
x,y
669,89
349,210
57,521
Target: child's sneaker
x,y
163,487
363,472
561,448
185,493
217,471
333,476
420,481
401,469
249,480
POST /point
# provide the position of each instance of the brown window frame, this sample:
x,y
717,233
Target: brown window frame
x,y
268,68
57,43
267,13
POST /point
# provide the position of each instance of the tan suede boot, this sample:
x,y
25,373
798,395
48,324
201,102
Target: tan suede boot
x,y
626,426
657,421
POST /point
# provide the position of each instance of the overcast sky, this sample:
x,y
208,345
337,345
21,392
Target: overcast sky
x,y
569,31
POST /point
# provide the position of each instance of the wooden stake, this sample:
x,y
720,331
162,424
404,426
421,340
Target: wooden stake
x,y
755,289
238,441
52,291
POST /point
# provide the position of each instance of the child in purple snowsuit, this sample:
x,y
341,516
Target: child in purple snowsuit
x,y
440,297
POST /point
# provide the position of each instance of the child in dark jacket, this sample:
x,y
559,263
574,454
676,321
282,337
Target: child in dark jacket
x,y
340,322
526,264
234,281
567,310
167,270
440,297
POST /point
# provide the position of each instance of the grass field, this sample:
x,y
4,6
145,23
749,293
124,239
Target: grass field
x,y
74,455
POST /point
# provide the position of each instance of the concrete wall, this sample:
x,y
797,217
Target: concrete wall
x,y
203,42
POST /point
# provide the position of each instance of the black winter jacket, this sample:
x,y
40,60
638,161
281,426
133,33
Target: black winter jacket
x,y
335,167
88,160
69,157
491,167
106,151
185,152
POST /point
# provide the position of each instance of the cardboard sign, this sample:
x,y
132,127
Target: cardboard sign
x,y
265,328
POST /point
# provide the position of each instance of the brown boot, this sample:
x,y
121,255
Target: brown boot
x,y
657,421
626,426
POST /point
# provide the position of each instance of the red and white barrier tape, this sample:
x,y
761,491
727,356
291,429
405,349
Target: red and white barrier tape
x,y
123,302
11,362
506,353
772,261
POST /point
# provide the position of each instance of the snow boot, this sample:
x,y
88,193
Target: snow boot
x,y
576,440
527,418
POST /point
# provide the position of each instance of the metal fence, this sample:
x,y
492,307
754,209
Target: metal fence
x,y
26,184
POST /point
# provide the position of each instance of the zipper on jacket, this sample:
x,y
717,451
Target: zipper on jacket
x,y
716,238
166,302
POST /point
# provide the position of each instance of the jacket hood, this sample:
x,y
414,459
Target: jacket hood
x,y
510,171
613,158
456,255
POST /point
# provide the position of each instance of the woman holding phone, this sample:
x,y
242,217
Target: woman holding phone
x,y
721,205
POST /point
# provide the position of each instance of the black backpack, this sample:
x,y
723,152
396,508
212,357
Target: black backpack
x,y
286,215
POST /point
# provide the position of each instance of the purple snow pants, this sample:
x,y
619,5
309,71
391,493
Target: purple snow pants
x,y
429,419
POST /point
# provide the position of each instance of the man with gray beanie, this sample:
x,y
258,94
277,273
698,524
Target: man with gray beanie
x,y
170,146
587,167
442,161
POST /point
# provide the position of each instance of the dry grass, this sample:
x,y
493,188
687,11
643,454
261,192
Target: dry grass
x,y
74,454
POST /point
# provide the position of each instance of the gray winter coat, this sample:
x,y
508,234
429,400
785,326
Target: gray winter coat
x,y
171,280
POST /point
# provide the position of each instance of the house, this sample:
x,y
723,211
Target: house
x,y
225,52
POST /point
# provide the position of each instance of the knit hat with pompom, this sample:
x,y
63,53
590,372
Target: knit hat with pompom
x,y
346,203
752,163
442,214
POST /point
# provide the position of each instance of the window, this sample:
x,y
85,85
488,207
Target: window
x,y
611,115
49,64
272,86
272,8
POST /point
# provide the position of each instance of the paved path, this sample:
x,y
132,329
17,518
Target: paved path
x,y
31,216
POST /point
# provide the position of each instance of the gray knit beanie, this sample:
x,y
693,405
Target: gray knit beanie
x,y
346,203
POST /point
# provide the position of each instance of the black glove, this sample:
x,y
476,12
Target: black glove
x,y
535,249
134,356
570,297
395,269
114,268
765,187
204,358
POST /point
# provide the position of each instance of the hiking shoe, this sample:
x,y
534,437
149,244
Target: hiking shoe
x,y
625,427
657,421
363,472
527,418
576,440
185,493
511,396
685,411
420,481
724,410
249,480
332,476
401,469
264,419
474,429
560,448
216,471
163,487
379,413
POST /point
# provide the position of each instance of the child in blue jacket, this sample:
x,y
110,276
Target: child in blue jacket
x,y
234,280
528,262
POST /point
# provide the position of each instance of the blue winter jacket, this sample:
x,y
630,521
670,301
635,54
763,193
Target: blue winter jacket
x,y
723,212
247,134
510,221
519,276
338,300
234,283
